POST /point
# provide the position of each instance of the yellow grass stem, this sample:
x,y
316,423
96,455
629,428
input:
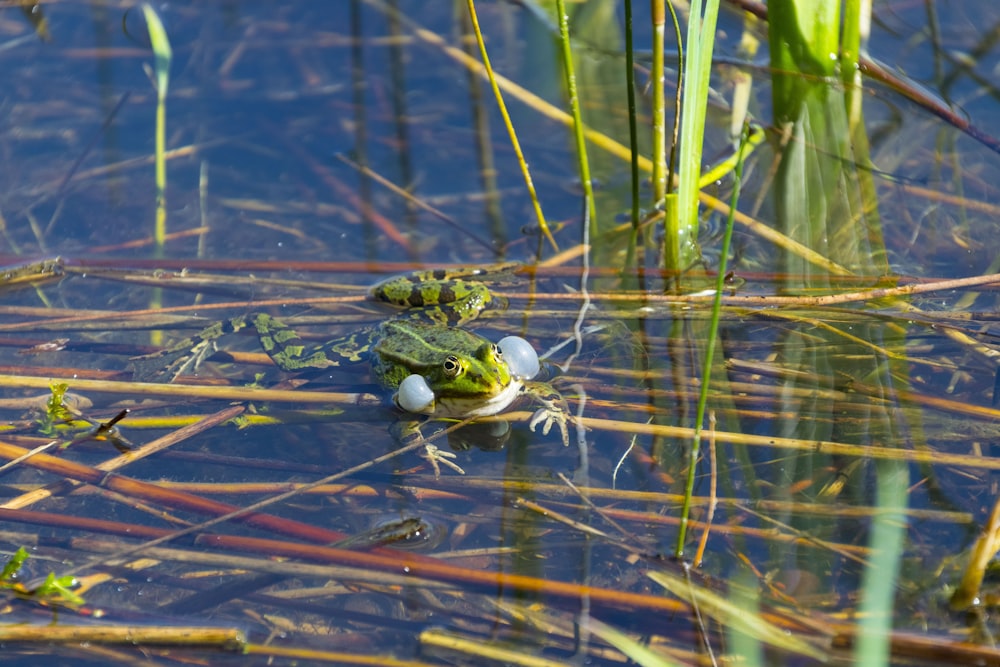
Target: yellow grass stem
x,y
189,392
515,144
229,639
887,452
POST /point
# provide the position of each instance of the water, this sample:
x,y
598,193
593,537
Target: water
x,y
317,147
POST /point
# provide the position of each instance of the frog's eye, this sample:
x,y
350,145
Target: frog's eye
x,y
497,352
452,366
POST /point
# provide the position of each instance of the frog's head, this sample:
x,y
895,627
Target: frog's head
x,y
462,385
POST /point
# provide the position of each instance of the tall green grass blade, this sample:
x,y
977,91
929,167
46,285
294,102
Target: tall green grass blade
x,y
878,585
745,594
803,40
658,102
675,136
578,127
713,336
697,68
631,261
855,31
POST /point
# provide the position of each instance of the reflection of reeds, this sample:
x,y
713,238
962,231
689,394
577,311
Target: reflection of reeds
x,y
825,202
511,132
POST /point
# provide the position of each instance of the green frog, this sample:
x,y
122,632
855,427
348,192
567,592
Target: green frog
x,y
432,365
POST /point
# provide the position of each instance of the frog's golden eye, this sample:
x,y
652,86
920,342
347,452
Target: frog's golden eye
x,y
496,352
452,367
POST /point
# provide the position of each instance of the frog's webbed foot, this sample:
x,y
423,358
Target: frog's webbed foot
x,y
437,457
408,433
185,356
168,365
554,410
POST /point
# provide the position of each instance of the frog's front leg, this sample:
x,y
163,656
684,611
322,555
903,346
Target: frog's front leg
x,y
554,410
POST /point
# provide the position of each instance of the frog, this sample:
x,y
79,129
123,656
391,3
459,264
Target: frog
x,y
424,357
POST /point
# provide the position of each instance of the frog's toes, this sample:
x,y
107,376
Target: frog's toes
x,y
437,457
548,416
169,364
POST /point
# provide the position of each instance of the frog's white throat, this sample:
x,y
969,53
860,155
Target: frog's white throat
x,y
478,406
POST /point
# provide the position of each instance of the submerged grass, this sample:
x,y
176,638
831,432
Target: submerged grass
x,y
163,56
612,509
428,573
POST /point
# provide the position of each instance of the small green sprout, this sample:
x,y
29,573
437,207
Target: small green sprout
x,y
58,589
58,415
12,566
53,590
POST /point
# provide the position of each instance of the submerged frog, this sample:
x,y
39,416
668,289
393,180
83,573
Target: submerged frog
x,y
431,365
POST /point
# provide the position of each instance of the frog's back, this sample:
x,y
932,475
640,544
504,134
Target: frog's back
x,y
404,347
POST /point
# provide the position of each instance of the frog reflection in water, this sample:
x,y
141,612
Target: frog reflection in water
x,y
432,366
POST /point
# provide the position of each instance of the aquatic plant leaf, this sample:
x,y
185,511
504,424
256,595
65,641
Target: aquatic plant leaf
x,y
713,605
636,651
161,48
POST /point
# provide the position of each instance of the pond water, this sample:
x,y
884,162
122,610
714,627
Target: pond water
x,y
317,148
